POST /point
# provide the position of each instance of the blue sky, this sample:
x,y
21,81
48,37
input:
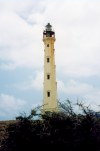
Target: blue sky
x,y
77,52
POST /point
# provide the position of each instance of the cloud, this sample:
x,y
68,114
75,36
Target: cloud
x,y
35,83
77,32
75,87
87,93
18,39
10,106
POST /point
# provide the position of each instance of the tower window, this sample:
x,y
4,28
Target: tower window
x,y
48,94
48,59
47,45
48,76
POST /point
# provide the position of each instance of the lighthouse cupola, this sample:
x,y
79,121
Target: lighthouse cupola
x,y
48,32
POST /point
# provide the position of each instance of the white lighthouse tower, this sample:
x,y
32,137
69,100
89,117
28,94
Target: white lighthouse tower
x,y
50,102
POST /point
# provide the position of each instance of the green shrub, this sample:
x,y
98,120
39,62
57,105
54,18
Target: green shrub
x,y
78,132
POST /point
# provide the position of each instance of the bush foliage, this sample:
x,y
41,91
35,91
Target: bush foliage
x,y
76,131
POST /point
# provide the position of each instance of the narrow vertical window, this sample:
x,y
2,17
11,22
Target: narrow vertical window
x,y
48,59
47,45
48,76
48,94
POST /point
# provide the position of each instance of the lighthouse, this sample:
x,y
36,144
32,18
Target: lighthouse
x,y
50,102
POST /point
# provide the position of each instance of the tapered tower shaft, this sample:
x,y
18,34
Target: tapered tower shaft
x,y
50,85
